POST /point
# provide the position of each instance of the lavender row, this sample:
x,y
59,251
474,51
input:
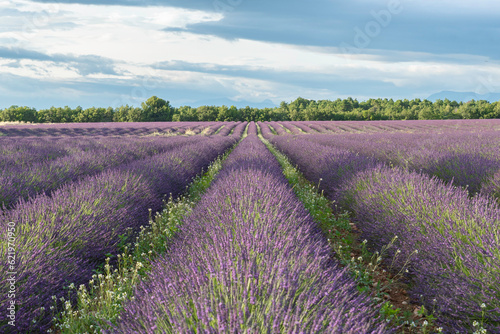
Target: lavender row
x,y
212,129
492,186
252,129
240,129
19,182
467,159
428,126
266,131
60,239
24,152
207,128
328,167
102,129
457,266
290,127
249,259
230,127
456,269
277,127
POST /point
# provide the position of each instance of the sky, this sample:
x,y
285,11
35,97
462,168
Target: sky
x,y
257,52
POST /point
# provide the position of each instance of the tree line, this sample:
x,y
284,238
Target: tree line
x,y
159,110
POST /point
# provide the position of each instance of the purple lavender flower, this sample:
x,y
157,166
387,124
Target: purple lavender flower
x,y
249,259
61,238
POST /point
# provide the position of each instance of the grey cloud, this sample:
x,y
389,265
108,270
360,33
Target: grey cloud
x,y
320,81
39,93
330,23
84,65
18,53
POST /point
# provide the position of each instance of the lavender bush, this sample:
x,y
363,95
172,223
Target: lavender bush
x,y
239,129
22,153
43,177
104,129
303,127
292,128
457,266
233,128
252,129
467,159
455,272
265,130
61,238
408,126
492,186
226,130
171,172
249,259
328,167
277,127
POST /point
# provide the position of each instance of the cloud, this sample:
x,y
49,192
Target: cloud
x,y
14,89
84,65
111,51
378,78
17,53
439,27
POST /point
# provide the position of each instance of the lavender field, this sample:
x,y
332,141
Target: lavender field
x,y
236,227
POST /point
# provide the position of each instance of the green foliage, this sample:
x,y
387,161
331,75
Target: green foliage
x,y
57,115
156,109
93,114
18,114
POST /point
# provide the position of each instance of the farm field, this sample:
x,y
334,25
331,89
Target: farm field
x,y
237,227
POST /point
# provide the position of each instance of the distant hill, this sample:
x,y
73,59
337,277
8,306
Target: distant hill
x,y
464,96
228,103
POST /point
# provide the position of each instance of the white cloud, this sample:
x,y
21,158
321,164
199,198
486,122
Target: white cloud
x,y
118,31
133,40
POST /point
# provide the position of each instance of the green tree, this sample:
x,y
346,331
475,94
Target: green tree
x,y
157,110
224,114
94,114
296,109
207,113
136,115
58,115
121,114
427,112
18,114
186,114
